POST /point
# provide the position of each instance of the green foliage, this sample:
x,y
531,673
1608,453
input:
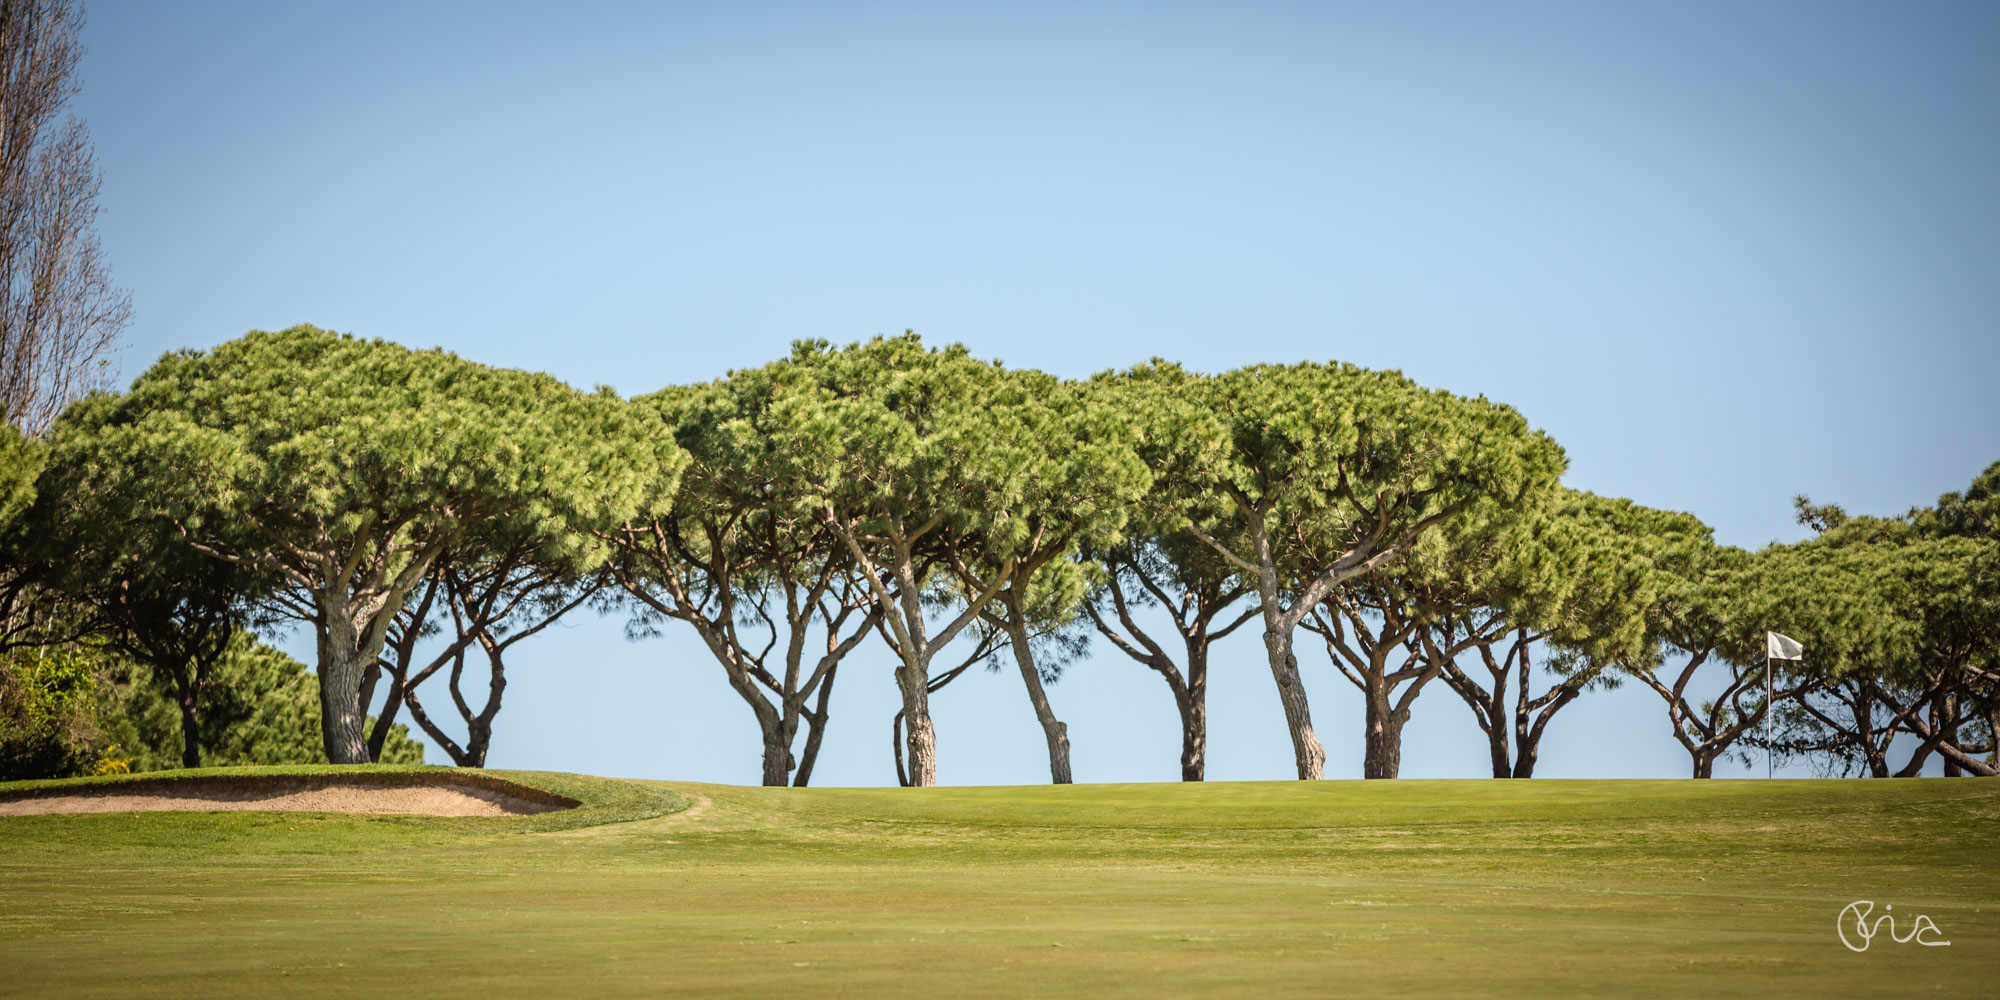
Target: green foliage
x,y
344,468
741,513
48,712
1597,608
1337,459
1895,598
314,438
1974,513
745,556
21,460
1082,476
1820,517
1900,619
29,614
1081,481
906,439
1575,568
1573,572
323,477
260,706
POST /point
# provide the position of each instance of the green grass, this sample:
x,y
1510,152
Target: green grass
x,y
1421,888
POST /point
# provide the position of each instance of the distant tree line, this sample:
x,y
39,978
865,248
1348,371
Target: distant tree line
x,y
422,514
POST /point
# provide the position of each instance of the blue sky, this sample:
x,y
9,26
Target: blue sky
x,y
1724,253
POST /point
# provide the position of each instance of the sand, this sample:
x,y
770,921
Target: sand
x,y
343,796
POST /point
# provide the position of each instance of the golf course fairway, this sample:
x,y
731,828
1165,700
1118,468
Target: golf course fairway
x,y
1281,889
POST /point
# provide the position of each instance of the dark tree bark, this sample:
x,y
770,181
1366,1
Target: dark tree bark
x,y
178,629
1844,723
490,604
1197,598
748,585
1935,717
399,652
815,729
190,731
989,641
185,653
1370,637
1513,735
1707,730
1542,708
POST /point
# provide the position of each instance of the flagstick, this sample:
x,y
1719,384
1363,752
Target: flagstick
x,y
1768,766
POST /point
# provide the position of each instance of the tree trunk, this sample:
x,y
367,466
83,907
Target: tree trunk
x,y
1945,713
341,665
1382,753
1864,729
1992,713
1524,766
921,737
1966,763
478,737
1194,723
1530,748
777,752
803,776
1489,707
479,728
1307,752
1498,753
1704,764
386,720
1523,714
923,752
815,729
190,729
777,756
1917,759
896,745
1053,729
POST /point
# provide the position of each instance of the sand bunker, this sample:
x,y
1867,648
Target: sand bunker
x,y
424,794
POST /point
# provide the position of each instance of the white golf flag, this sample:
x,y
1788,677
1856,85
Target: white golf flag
x,y
1778,647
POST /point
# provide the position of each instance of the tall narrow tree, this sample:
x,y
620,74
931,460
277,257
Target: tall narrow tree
x,y
60,317
22,613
